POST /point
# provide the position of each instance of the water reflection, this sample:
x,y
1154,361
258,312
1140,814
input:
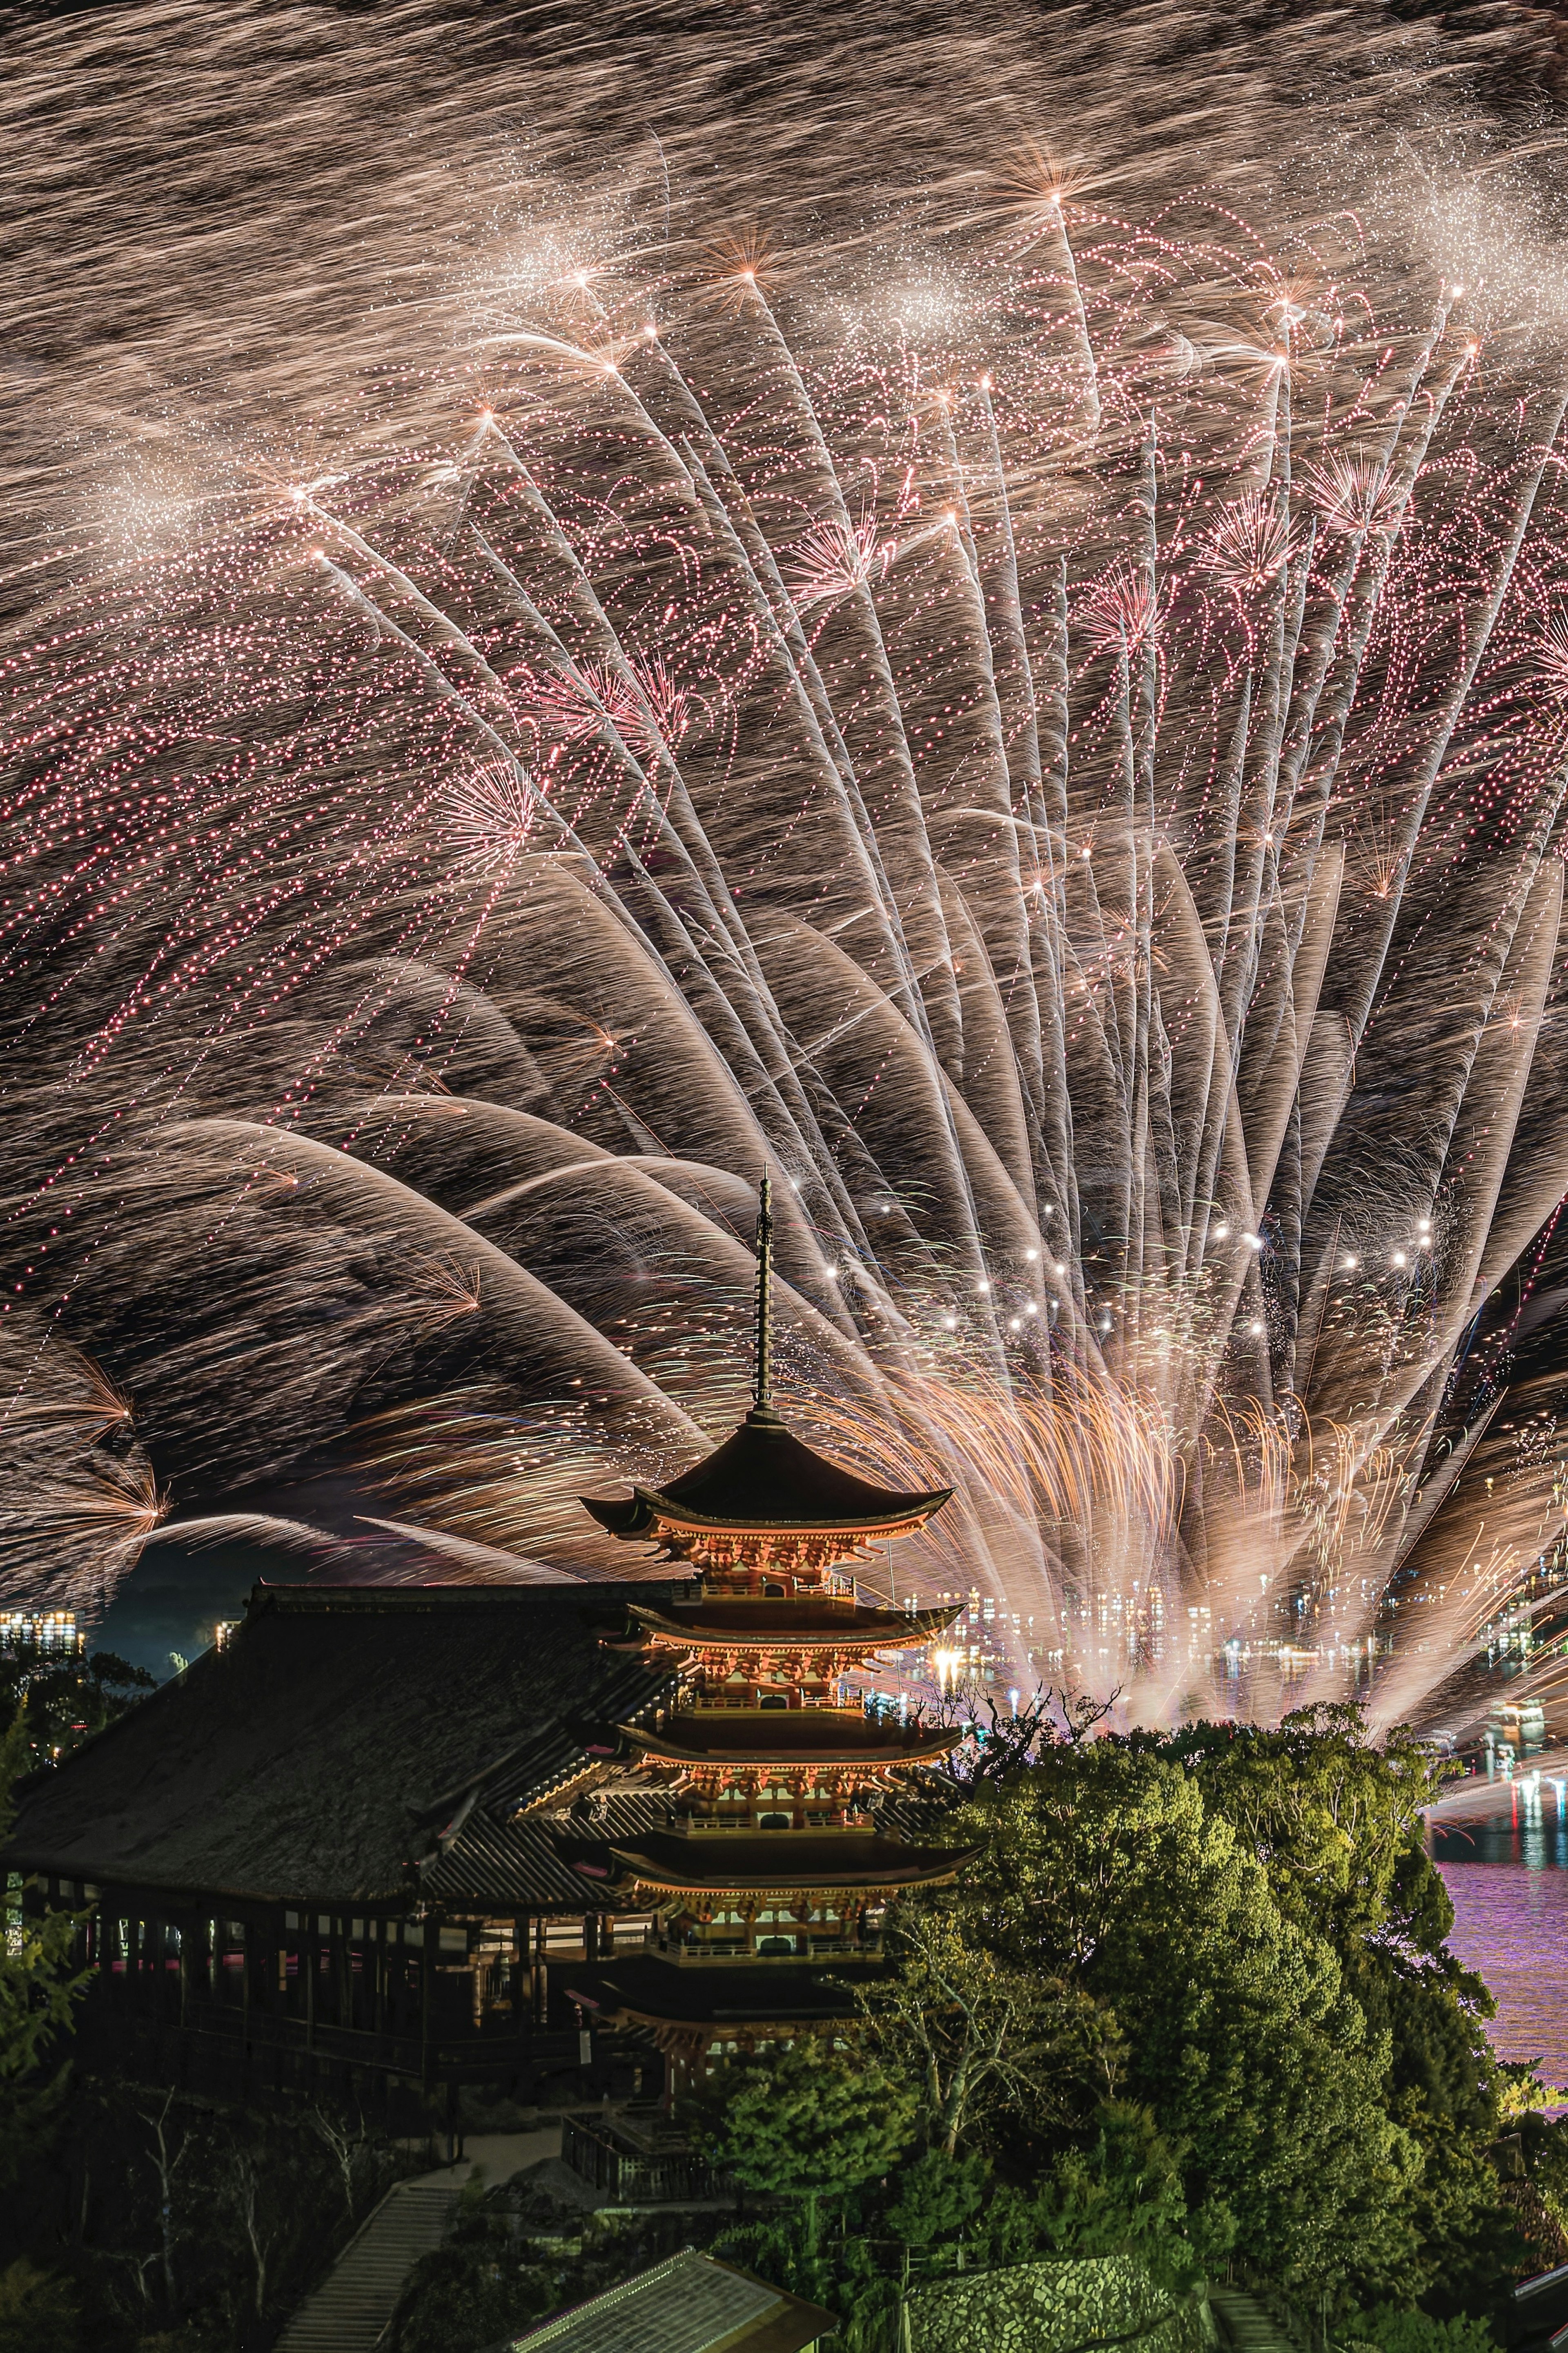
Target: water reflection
x,y
1500,1841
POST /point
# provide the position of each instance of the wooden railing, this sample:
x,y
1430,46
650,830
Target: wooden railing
x,y
611,2163
444,2055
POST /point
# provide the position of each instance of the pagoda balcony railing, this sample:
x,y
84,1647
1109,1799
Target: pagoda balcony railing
x,y
716,1702
732,1948
816,1818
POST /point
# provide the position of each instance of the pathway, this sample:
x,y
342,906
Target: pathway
x,y
1244,2325
348,2311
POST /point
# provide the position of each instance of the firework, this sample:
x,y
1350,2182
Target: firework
x,y
1036,718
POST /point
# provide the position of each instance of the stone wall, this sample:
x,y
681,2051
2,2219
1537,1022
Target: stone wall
x,y
1055,2309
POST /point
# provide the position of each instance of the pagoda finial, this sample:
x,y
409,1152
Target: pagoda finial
x,y
763,1386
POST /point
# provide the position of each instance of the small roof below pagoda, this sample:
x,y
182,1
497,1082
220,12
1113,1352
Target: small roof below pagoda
x,y
764,1477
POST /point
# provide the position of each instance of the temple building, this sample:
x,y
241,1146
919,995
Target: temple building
x,y
537,1840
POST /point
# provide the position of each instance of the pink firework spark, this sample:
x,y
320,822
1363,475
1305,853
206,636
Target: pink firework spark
x,y
835,559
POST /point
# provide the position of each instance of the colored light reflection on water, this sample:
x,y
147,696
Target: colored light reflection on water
x,y
1507,1874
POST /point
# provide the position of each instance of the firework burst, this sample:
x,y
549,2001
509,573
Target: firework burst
x,y
1015,725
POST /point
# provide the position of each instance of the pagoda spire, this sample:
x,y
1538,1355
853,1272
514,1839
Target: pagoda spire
x,y
762,1387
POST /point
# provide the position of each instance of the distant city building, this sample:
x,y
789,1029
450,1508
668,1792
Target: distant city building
x,y
52,1632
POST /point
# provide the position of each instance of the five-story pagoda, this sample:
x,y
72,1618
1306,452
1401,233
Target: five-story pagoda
x,y
771,1872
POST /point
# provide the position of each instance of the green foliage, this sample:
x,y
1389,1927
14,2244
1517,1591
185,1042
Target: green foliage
x,y
37,2312
1394,2329
481,2287
974,2028
1126,2195
38,1986
1104,1870
804,2120
1336,1825
936,2197
63,1701
1192,1998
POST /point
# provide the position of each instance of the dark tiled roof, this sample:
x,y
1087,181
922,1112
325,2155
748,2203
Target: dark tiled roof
x,y
525,1862
690,2305
763,1476
344,1735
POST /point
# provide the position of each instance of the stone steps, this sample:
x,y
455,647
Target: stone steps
x,y
1244,2327
350,2310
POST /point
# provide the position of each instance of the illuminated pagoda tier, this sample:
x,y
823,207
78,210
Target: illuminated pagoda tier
x,y
775,1861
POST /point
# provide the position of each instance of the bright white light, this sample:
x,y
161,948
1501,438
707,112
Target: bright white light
x,y
1222,1233
1254,1329
1253,1241
1399,1257
1353,1261
1031,1309
982,1287
1061,1269
950,1323
1031,1255
1015,1323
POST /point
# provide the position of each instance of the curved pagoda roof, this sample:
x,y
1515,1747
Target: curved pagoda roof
x,y
790,1737
764,1477
783,1863
818,1623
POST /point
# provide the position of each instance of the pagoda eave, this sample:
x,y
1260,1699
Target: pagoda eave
x,y
853,1634
742,1866
681,1519
675,2001
773,1754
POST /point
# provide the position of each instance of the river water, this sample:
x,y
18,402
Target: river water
x,y
1506,1869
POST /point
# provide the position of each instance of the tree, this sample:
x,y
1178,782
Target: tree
x,y
64,1702
805,2119
350,2146
1102,1870
170,2148
37,1988
37,2312
974,2030
1336,1824
1125,2195
480,2288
